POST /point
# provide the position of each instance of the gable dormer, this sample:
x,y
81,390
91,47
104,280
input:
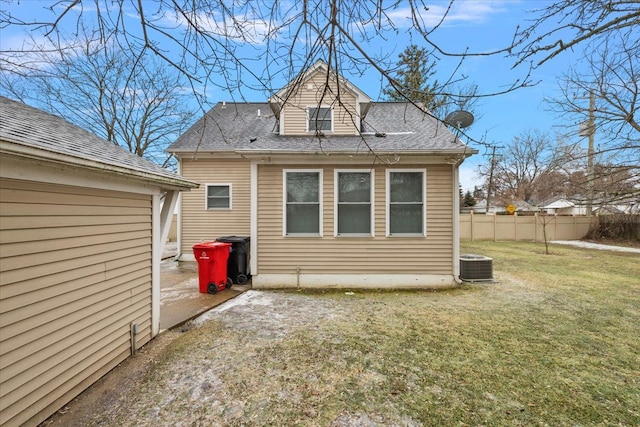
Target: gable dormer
x,y
319,101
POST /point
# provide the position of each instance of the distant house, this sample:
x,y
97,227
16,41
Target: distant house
x,y
481,207
629,205
561,206
333,191
522,206
82,226
577,205
607,210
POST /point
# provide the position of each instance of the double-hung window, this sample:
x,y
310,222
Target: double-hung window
x,y
218,196
406,205
353,197
303,202
320,119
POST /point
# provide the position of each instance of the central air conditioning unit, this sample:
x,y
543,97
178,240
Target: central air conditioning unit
x,y
476,268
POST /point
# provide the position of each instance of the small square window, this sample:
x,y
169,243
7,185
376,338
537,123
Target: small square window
x,y
218,196
320,119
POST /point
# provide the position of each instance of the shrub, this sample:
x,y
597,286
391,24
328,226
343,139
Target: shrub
x,y
624,227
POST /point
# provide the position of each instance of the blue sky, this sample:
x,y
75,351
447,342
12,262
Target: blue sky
x,y
480,26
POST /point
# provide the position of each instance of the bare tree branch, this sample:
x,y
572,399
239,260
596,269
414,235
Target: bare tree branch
x,y
94,87
563,25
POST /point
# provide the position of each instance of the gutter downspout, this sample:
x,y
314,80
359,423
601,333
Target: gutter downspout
x,y
253,232
179,219
456,221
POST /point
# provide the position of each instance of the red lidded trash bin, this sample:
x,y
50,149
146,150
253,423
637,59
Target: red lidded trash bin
x,y
212,260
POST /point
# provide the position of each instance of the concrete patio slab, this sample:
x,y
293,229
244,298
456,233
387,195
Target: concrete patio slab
x,y
180,298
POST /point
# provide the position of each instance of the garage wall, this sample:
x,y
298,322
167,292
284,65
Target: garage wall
x,y
76,273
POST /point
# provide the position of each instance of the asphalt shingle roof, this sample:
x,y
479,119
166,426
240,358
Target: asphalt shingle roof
x,y
237,127
27,126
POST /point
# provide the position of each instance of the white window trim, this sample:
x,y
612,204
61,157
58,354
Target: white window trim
x,y
206,196
336,189
424,203
319,106
284,203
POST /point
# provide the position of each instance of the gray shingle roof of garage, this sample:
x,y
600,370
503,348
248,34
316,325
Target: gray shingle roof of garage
x,y
237,127
27,126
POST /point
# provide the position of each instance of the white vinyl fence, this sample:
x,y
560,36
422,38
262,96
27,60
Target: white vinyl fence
x,y
520,227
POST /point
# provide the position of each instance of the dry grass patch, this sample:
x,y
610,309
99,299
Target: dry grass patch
x,y
555,342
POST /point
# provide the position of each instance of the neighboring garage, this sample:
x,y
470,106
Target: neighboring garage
x,y
82,228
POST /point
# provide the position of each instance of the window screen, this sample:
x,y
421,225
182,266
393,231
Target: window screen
x,y
303,203
354,203
319,119
406,203
218,197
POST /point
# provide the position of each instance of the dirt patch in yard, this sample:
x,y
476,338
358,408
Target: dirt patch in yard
x,y
113,389
523,351
253,318
282,358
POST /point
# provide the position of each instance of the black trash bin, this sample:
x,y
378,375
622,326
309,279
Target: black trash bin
x,y
238,262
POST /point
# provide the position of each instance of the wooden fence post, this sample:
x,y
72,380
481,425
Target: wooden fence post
x,y
494,226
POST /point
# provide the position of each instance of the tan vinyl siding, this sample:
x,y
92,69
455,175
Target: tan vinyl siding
x,y
344,113
76,272
356,255
199,223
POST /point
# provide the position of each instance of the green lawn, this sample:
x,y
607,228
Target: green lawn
x,y
555,342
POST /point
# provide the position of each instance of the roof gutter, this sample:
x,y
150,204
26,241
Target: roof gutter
x,y
465,152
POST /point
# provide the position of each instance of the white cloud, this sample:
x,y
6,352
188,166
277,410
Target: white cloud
x,y
461,12
239,28
22,51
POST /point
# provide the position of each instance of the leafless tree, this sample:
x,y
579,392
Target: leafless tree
x,y
545,220
566,25
96,86
600,99
203,39
611,184
613,75
262,44
217,44
525,165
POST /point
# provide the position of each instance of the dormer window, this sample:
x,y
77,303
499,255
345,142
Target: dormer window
x,y
320,119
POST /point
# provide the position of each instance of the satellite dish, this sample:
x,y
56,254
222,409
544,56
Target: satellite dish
x,y
459,119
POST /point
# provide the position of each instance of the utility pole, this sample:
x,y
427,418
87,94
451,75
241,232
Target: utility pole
x,y
590,172
493,164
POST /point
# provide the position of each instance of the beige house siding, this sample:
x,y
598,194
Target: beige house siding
x,y
200,223
310,94
76,273
430,255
